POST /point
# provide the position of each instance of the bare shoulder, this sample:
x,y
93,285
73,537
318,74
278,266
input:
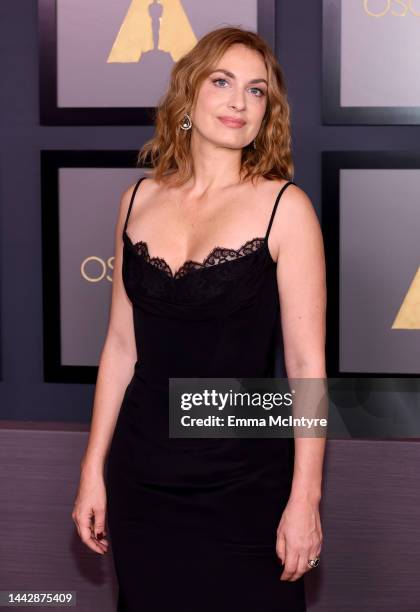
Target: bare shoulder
x,y
295,214
146,189
295,203
146,186
293,195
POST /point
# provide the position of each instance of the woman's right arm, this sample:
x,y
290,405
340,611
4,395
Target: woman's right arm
x,y
116,365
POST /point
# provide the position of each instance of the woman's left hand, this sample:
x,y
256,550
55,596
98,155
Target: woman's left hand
x,y
299,536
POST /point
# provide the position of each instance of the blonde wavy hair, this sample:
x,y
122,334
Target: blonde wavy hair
x,y
169,149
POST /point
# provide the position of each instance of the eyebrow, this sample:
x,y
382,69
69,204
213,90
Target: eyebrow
x,y
230,74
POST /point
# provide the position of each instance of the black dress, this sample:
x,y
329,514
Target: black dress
x,y
192,522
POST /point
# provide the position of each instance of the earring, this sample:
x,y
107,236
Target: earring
x,y
186,122
255,144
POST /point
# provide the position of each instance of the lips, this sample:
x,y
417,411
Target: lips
x,y
231,122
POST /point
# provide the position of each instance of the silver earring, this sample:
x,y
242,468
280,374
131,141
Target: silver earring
x,y
186,122
255,144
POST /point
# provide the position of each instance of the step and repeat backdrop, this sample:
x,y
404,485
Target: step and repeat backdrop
x,y
108,64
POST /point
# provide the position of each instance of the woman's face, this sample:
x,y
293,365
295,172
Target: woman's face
x,y
237,90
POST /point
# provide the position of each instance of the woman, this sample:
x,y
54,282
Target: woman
x,y
205,260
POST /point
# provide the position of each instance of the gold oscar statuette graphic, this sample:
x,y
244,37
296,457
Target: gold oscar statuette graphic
x,y
144,18
408,316
389,6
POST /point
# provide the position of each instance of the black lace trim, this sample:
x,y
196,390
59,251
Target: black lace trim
x,y
216,256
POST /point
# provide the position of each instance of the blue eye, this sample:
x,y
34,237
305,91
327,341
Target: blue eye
x,y
216,80
261,94
260,90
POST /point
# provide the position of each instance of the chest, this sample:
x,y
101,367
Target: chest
x,y
224,275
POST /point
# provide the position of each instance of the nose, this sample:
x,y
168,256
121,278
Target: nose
x,y
237,100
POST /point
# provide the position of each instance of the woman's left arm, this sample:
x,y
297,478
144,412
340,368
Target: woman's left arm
x,y
301,280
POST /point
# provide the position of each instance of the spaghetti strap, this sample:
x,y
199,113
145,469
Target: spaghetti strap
x,y
275,207
131,201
